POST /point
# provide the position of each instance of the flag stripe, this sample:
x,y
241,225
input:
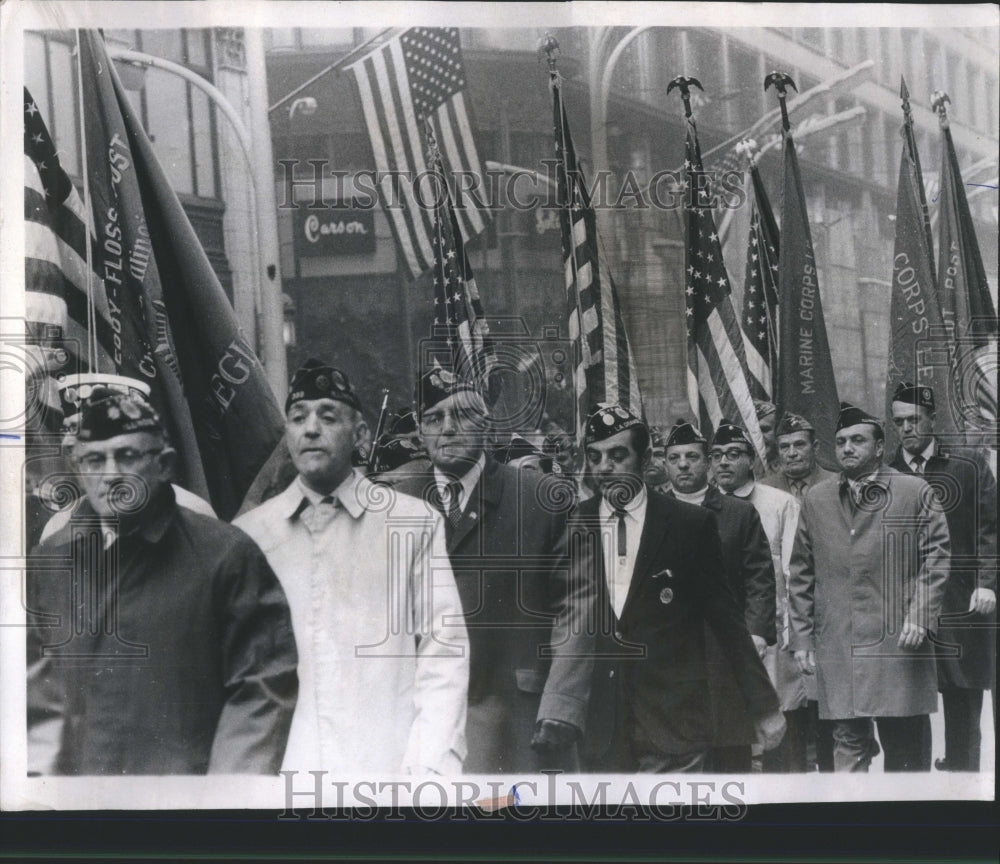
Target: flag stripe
x,y
418,75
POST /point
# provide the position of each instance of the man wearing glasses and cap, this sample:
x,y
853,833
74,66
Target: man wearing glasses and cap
x,y
862,619
383,652
166,647
656,565
530,656
732,456
968,497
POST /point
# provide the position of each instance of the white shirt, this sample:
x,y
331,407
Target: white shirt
x,y
468,481
691,497
927,453
618,569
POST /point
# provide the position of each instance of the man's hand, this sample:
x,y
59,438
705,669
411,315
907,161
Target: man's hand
x,y
912,636
760,645
552,736
983,601
806,661
770,729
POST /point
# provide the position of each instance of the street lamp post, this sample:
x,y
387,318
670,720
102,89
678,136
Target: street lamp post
x,y
257,152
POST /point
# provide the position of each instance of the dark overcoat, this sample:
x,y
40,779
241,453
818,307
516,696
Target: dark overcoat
x,y
651,669
967,493
170,653
529,656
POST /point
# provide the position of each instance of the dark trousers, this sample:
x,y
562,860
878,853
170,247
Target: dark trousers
x,y
963,709
730,760
820,741
789,757
905,740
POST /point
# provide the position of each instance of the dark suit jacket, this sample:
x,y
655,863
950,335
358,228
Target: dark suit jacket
x,y
749,567
650,670
968,494
530,656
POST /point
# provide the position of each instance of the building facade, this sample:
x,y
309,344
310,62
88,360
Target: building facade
x,y
358,308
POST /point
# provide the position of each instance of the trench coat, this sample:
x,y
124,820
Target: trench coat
x,y
849,596
528,659
652,670
968,496
383,654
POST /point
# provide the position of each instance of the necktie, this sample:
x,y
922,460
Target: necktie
x,y
799,488
454,511
917,463
320,514
620,515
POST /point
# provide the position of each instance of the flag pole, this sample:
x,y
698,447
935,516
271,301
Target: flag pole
x,y
88,215
550,46
336,65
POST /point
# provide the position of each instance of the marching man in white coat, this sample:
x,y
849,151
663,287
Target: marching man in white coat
x,y
384,659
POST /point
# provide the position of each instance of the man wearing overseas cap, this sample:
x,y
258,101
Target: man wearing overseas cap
x,y
184,661
968,497
732,457
862,621
506,538
749,572
659,579
797,471
384,654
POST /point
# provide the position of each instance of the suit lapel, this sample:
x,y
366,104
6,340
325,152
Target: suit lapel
x,y
654,533
485,495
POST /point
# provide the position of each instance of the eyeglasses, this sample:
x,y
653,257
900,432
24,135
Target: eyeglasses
x,y
125,458
732,454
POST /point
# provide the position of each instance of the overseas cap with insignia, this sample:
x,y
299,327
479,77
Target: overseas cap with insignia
x,y
317,380
684,433
763,408
609,420
107,413
657,438
914,395
730,433
793,423
436,385
851,415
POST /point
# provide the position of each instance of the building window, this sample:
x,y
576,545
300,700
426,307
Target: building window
x,y
51,76
177,116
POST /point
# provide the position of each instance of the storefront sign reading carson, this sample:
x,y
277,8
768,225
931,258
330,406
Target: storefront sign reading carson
x,y
334,231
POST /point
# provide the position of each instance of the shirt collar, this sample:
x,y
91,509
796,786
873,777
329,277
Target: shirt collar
x,y
351,493
632,508
861,482
691,497
745,490
468,480
927,453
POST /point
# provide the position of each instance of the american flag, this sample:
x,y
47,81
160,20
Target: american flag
x,y
458,314
718,379
605,368
62,306
760,294
413,76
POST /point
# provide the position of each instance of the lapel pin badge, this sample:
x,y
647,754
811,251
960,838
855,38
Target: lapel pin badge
x,y
666,595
